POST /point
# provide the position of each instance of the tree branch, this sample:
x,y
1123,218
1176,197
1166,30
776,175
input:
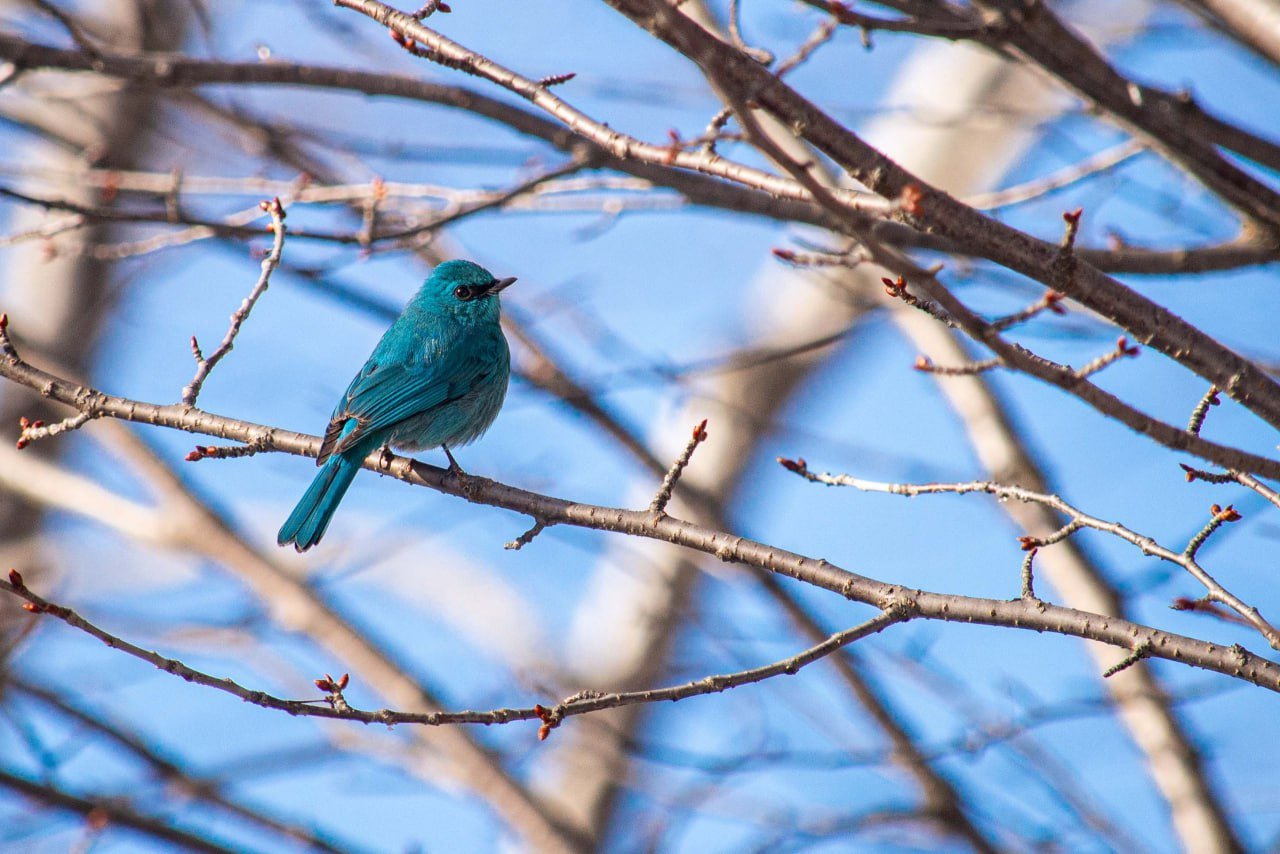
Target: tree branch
x,y
936,211
1233,661
337,708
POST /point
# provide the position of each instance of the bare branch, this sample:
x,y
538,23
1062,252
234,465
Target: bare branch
x,y
733,549
659,503
338,708
172,770
777,198
269,263
113,812
1146,321
1099,163
1079,519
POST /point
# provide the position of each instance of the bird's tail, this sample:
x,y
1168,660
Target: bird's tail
x,y
308,521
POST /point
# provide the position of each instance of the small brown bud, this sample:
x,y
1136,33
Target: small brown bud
x,y
557,79
97,819
798,465
912,196
895,287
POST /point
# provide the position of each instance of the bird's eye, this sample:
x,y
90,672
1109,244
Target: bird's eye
x,y
462,292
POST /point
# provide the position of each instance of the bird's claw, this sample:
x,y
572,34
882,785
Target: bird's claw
x,y
454,468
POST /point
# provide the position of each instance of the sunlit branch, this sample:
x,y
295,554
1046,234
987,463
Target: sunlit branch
x,y
272,260
1234,661
1078,520
337,707
778,198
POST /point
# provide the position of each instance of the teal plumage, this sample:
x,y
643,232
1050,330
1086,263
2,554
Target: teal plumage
x,y
436,379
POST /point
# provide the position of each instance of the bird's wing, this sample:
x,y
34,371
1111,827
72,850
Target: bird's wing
x,y
387,392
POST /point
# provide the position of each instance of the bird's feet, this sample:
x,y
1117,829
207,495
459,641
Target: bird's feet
x,y
385,456
454,468
455,471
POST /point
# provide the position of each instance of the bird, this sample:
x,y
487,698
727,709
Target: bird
x,y
436,379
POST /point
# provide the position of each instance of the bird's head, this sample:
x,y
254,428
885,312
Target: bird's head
x,y
463,289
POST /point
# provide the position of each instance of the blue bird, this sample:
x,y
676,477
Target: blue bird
x,y
436,379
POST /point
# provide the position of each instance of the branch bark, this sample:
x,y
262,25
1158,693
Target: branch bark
x,y
1234,661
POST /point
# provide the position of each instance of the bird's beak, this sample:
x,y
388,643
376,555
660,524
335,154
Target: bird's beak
x,y
500,285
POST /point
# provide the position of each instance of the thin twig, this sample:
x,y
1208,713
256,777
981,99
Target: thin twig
x,y
1138,654
223,452
205,365
1028,576
816,39
897,288
1029,542
493,202
1202,409
426,10
1207,476
35,430
1122,349
760,55
1078,519
659,503
1247,480
925,365
1051,301
1090,166
1220,516
524,539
